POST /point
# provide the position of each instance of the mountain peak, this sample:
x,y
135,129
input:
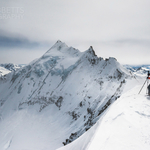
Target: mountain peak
x,y
59,44
91,51
62,51
59,41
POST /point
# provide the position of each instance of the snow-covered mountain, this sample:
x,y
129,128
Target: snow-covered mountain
x,y
138,70
8,67
57,98
11,67
3,71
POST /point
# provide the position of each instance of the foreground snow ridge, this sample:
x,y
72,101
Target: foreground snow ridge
x,y
62,100
124,126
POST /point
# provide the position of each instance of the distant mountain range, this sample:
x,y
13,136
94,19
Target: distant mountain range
x,y
139,69
136,69
8,67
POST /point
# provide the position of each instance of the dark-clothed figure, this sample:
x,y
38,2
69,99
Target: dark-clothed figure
x,y
148,89
148,75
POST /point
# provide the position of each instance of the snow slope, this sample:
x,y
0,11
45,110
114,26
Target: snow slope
x,y
124,126
57,98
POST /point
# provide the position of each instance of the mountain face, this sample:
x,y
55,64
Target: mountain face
x,y
55,99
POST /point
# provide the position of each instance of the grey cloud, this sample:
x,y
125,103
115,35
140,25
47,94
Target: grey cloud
x,y
9,40
16,42
134,41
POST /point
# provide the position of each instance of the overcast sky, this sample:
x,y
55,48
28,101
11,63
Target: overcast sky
x,y
115,28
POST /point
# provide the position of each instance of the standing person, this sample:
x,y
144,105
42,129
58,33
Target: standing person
x,y
148,89
148,85
148,75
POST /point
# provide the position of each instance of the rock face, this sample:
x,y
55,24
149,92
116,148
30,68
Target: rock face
x,y
69,88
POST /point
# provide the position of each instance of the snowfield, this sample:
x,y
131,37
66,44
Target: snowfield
x,y
72,100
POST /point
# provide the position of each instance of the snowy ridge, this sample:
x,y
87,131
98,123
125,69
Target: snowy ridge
x,y
125,125
61,95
